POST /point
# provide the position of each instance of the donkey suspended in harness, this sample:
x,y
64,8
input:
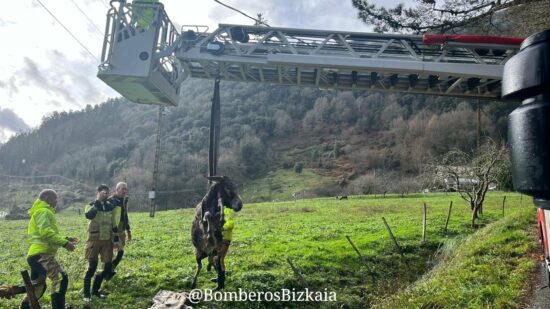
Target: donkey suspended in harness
x,y
207,227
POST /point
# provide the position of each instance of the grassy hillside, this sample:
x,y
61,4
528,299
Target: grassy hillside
x,y
311,233
471,273
286,185
264,128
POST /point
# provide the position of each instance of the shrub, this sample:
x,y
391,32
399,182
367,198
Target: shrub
x,y
298,167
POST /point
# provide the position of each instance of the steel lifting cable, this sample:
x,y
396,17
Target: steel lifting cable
x,y
213,151
153,203
213,148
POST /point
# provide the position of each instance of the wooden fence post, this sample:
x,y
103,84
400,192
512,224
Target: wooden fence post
x,y
30,291
354,247
448,217
395,241
503,202
371,272
424,224
297,273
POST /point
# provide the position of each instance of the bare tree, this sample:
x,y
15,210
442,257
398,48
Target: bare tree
x,y
437,16
471,175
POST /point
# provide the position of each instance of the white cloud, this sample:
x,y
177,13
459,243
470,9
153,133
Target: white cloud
x,y
5,134
45,69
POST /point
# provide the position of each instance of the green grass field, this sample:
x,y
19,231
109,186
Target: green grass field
x,y
280,185
483,268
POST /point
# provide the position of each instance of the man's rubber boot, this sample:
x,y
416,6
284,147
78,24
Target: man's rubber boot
x,y
87,283
117,259
98,279
58,301
108,272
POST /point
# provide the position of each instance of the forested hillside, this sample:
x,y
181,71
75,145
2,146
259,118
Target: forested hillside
x,y
366,140
277,142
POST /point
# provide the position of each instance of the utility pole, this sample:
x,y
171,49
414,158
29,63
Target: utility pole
x,y
478,125
152,193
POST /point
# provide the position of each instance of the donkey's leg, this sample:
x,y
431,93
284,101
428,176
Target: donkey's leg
x,y
220,264
213,261
199,256
210,263
221,275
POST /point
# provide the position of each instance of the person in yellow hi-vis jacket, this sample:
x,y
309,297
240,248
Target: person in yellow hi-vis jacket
x,y
45,239
102,237
144,13
227,232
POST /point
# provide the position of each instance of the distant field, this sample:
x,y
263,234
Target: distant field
x,y
311,233
282,185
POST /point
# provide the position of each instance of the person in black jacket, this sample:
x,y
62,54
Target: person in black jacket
x,y
120,199
102,237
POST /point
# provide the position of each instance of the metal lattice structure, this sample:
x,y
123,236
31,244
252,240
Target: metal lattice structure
x,y
149,66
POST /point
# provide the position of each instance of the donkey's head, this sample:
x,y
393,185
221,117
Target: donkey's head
x,y
224,187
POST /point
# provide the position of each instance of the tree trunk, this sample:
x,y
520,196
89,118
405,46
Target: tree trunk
x,y
475,214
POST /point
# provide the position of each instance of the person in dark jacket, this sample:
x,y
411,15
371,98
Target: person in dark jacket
x,y
120,199
102,237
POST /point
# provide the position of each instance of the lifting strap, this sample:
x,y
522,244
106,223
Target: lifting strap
x,y
214,130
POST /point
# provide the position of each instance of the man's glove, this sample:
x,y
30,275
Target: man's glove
x,y
70,246
8,292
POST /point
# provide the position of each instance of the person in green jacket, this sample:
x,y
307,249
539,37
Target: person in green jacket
x,y
227,236
45,239
102,238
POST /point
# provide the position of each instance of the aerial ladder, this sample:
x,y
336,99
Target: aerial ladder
x,y
149,65
146,59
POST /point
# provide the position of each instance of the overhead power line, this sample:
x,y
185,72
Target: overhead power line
x,y
67,29
89,19
241,12
257,20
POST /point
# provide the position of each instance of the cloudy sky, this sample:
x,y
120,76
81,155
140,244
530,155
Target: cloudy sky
x,y
46,69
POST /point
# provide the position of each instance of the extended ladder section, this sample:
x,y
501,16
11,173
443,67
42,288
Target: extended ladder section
x,y
437,65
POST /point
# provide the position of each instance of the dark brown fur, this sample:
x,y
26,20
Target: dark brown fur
x,y
206,230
